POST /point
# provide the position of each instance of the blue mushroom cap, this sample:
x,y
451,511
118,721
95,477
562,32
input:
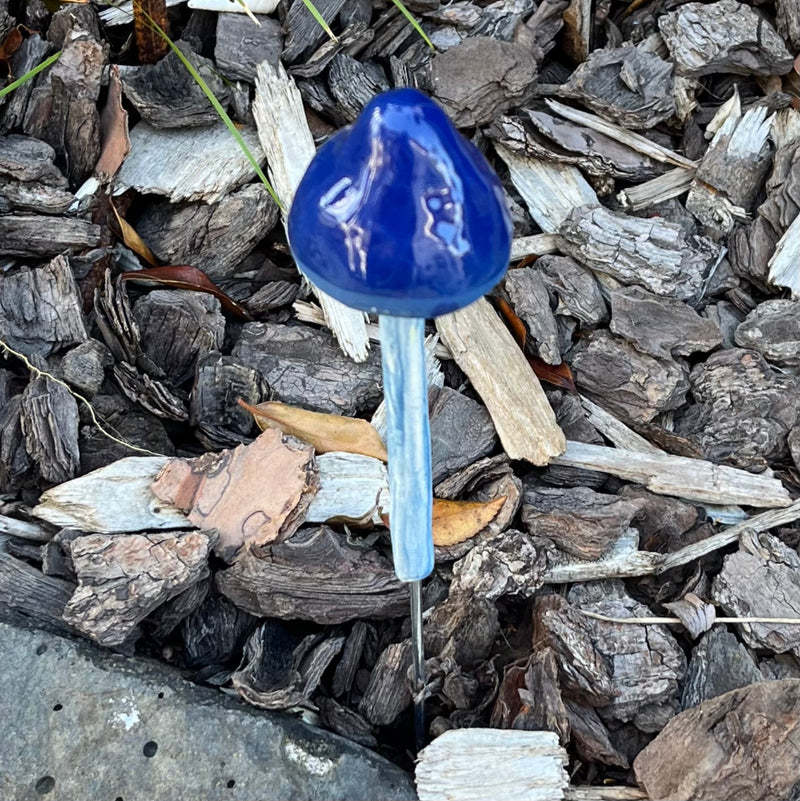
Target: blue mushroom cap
x,y
399,214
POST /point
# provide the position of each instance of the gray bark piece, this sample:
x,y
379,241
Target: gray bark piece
x,y
726,36
303,31
49,423
644,664
177,326
773,329
581,522
461,432
653,253
788,21
209,745
354,83
762,579
122,578
31,235
25,158
576,289
632,385
389,690
481,78
242,46
15,461
304,366
34,197
167,96
719,664
41,309
662,327
531,301
84,366
31,52
188,163
744,409
626,85
215,238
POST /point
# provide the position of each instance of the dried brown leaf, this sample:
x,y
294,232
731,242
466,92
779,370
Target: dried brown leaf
x,y
696,614
456,521
185,277
252,495
132,240
326,432
114,138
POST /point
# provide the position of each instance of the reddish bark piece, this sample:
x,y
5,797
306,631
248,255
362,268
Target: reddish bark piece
x,y
739,746
252,495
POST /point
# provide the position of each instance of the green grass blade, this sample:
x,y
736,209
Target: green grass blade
x,y
414,24
318,17
49,61
223,115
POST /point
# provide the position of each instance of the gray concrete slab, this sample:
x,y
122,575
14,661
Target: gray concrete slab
x,y
81,724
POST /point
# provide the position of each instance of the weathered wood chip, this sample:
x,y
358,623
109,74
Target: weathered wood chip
x,y
241,46
252,495
531,300
725,36
773,329
575,288
316,575
31,235
389,690
744,744
124,577
762,579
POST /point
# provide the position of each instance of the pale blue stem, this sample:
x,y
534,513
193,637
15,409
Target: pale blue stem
x,y
405,388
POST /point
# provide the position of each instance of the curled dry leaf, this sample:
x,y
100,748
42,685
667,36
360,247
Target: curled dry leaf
x,y
326,432
185,277
132,240
696,614
457,521
114,138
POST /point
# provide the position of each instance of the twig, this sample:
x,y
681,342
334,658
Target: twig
x,y
654,621
4,348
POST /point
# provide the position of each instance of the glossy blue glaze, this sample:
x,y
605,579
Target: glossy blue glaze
x,y
399,214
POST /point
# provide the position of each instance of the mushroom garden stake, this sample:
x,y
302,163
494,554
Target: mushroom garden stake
x,y
401,216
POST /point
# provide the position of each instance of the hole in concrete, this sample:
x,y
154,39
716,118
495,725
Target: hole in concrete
x,y
161,695
57,708
231,783
41,649
119,798
45,784
150,748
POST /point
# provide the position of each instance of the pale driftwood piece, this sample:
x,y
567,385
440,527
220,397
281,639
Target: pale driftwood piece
x,y
225,492
761,580
773,329
27,590
662,327
352,487
630,85
187,163
549,190
24,529
719,664
242,45
726,36
653,253
124,577
657,190
214,238
486,352
454,766
765,716
389,690
531,301
303,366
317,576
615,430
481,78
689,479
581,522
112,499
256,7
732,172
784,269
619,668
633,140
167,96
30,235
536,245
285,136
41,309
